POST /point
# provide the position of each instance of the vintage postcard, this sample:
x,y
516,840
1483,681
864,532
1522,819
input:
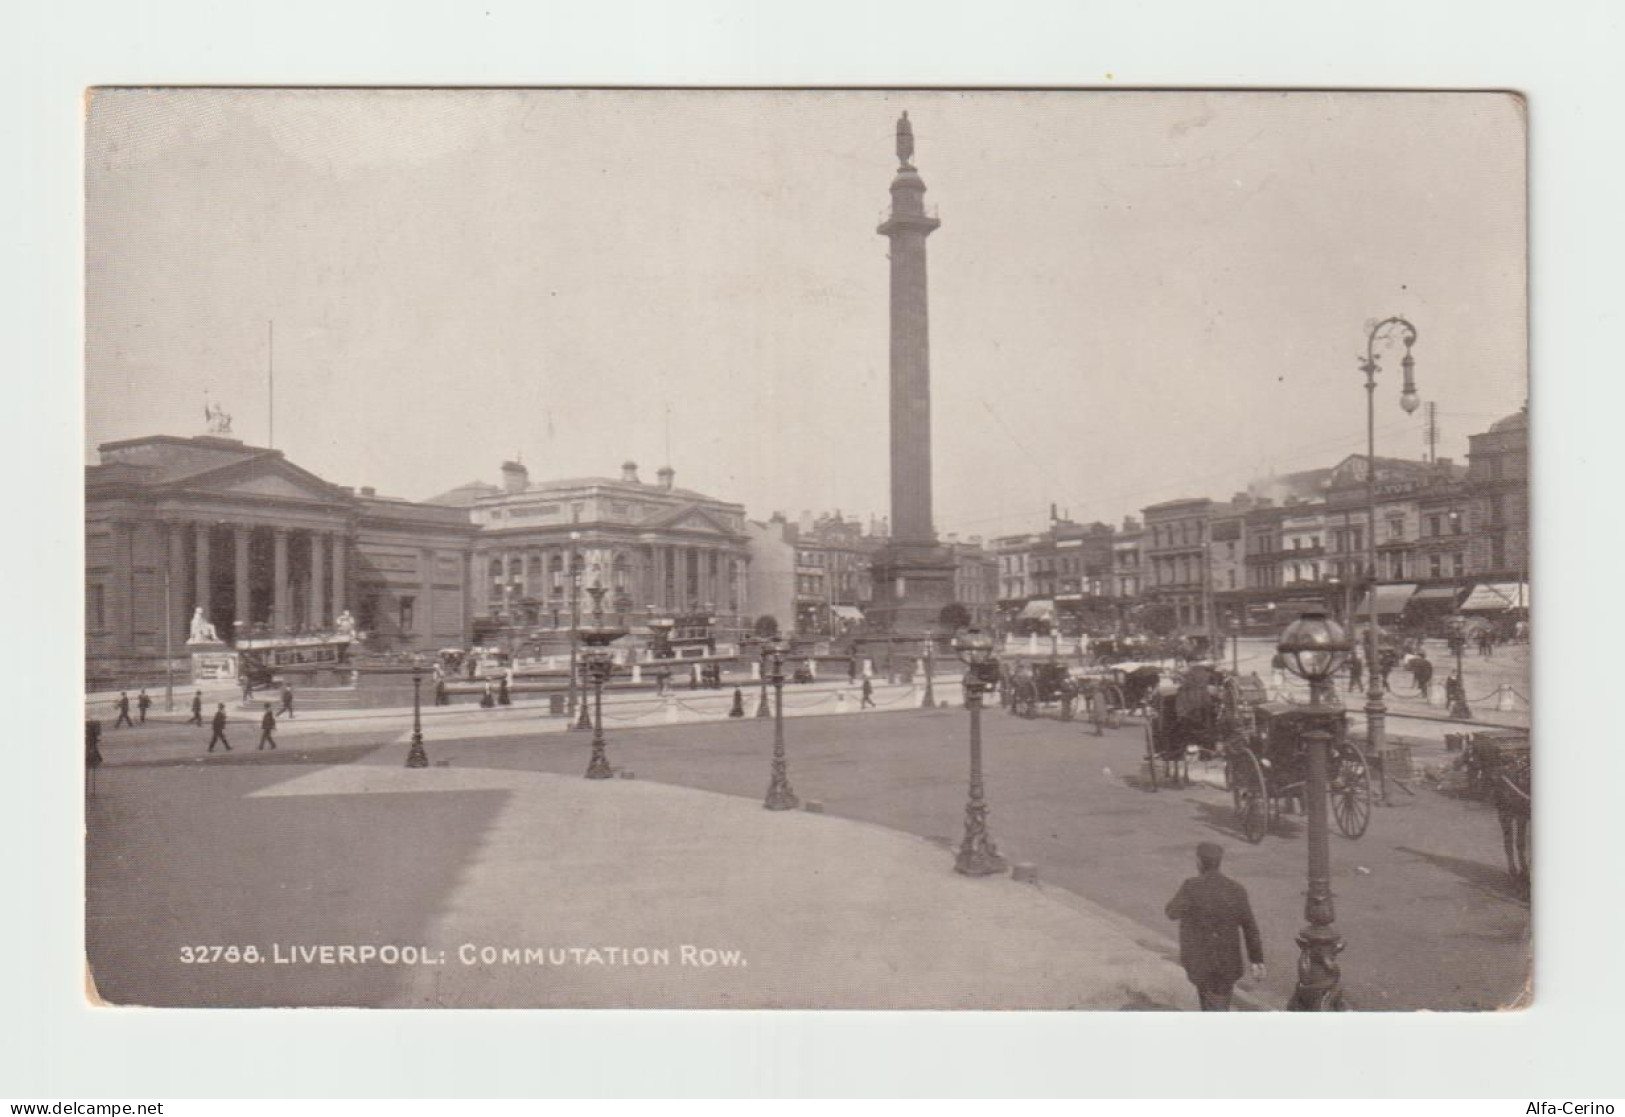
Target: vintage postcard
x,y
810,549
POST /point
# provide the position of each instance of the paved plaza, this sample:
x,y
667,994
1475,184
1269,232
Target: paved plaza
x,y
331,842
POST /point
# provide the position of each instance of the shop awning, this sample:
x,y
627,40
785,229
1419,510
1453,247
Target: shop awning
x,y
847,612
1435,595
1497,597
1390,599
1038,609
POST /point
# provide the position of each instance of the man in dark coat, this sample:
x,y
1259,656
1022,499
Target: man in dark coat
x,y
1422,672
219,733
123,705
267,728
197,709
1212,911
143,704
287,699
868,694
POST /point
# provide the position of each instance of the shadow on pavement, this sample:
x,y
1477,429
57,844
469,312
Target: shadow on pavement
x,y
1493,879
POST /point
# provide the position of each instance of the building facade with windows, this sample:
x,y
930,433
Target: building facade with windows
x,y
657,550
1498,499
1176,557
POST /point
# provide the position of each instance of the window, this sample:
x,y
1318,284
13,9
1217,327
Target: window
x,y
1497,553
96,607
1396,527
1435,525
576,511
1497,508
1232,577
1434,564
408,611
1459,562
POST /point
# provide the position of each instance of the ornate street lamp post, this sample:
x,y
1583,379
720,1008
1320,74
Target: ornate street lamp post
x,y
600,665
1314,647
1376,711
978,856
416,757
779,795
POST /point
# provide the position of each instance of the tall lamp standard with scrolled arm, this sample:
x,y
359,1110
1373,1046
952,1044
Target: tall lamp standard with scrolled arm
x,y
1376,711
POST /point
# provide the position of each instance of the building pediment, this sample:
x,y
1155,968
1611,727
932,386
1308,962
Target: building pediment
x,y
690,518
272,478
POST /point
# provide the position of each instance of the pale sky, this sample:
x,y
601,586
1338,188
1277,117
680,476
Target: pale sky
x,y
1134,296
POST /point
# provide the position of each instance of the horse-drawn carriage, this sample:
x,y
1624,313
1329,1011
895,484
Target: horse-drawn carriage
x,y
1197,713
1498,768
1043,684
1269,764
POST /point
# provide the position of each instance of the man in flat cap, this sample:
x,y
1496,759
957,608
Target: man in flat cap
x,y
1214,919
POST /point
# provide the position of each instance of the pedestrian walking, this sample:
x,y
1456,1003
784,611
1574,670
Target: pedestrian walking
x,y
440,692
1356,673
197,709
143,704
1215,920
219,734
123,705
1385,665
503,697
487,699
287,699
1422,672
267,728
868,702
663,677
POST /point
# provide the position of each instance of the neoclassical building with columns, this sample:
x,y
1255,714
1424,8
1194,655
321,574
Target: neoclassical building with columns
x,y
655,548
270,550
264,547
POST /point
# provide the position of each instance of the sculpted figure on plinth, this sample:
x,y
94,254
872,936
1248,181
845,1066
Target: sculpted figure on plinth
x,y
202,631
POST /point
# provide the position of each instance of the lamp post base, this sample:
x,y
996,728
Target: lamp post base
x,y
598,767
779,795
1319,979
416,757
978,856
583,723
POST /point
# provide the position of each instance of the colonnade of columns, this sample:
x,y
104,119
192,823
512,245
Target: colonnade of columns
x,y
306,588
667,577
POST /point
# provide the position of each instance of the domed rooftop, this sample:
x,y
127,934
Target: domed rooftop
x,y
1518,420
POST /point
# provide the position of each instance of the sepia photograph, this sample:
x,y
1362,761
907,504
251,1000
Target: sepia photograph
x,y
822,549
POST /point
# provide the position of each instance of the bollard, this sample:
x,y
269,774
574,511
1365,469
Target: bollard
x,y
637,673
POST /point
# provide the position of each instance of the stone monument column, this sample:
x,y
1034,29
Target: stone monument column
x,y
341,550
913,576
178,614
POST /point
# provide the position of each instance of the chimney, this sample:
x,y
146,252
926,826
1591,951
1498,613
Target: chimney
x,y
806,522
515,477
368,490
666,474
629,473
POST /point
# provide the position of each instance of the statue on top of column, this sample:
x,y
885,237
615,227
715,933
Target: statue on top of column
x,y
905,143
202,631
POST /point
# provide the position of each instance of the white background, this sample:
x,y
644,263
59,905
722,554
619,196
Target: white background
x,y
1564,56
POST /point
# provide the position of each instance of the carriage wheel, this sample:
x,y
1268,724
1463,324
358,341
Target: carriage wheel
x,y
1351,791
1151,751
1251,794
